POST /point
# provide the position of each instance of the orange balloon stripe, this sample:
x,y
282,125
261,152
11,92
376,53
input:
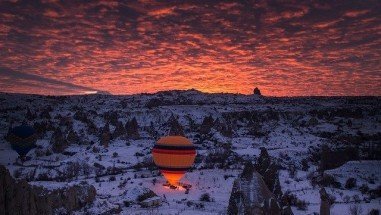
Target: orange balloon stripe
x,y
174,140
173,160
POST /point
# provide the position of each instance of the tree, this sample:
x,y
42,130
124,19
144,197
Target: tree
x,y
257,91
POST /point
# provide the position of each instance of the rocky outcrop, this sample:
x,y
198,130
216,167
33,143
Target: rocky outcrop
x,y
287,211
119,130
105,135
72,137
207,125
58,141
257,91
325,202
175,127
19,197
269,171
312,122
250,195
132,129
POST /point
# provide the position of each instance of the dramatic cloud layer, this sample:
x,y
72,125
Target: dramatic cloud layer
x,y
125,47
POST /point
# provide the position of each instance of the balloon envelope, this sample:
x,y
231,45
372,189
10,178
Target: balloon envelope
x,y
23,139
173,155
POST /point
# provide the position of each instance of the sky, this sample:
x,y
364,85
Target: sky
x,y
286,48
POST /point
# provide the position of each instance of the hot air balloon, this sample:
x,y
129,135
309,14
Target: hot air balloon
x,y
173,155
22,138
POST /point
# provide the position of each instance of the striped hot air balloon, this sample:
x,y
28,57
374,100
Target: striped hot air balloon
x,y
173,155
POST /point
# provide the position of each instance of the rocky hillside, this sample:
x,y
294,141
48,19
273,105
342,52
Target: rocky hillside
x,y
18,197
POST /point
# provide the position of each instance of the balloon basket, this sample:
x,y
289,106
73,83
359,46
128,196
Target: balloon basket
x,y
174,187
170,186
185,186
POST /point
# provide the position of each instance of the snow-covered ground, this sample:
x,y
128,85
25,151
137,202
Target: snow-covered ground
x,y
290,128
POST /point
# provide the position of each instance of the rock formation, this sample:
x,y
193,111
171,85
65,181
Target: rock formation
x,y
175,127
250,195
18,197
58,141
312,122
325,202
257,91
105,135
72,137
287,211
207,124
132,129
269,170
119,130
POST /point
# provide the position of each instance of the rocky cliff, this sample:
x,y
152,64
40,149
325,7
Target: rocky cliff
x,y
250,195
18,197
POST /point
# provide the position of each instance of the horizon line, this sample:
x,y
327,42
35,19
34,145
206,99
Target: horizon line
x,y
192,89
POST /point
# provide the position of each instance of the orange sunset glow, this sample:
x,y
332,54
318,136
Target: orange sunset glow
x,y
128,47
